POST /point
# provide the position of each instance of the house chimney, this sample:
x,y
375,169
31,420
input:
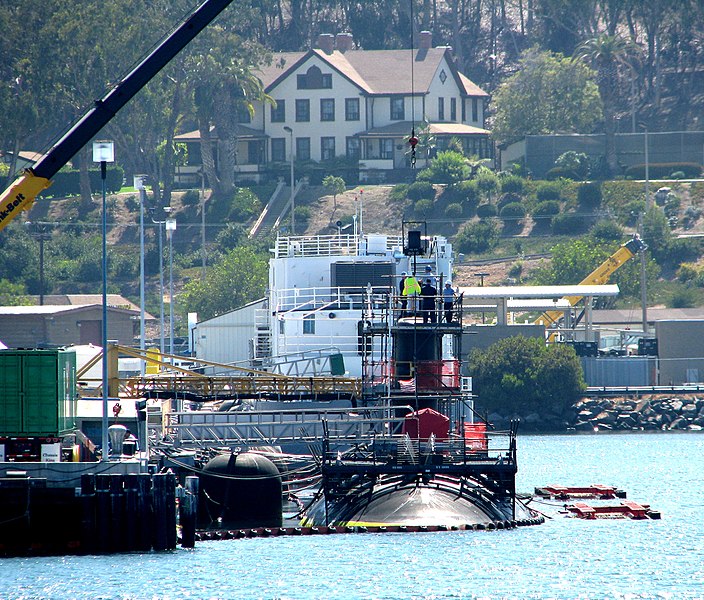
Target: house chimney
x,y
344,42
426,40
326,42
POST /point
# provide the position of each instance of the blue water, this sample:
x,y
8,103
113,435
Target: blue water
x,y
564,558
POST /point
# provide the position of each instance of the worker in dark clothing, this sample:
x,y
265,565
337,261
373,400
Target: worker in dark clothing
x,y
427,304
404,299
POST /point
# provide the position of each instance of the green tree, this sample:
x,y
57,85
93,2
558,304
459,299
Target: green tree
x,y
220,73
548,93
519,375
240,277
12,294
446,167
334,185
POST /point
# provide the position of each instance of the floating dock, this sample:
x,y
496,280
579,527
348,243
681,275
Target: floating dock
x,y
561,492
625,510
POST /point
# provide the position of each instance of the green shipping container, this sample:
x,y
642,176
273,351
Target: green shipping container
x,y
37,392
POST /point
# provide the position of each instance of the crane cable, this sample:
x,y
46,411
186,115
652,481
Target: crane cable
x,y
413,140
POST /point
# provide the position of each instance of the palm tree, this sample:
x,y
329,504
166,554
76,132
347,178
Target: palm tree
x,y
607,55
224,87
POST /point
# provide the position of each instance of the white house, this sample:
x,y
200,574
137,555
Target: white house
x,y
334,101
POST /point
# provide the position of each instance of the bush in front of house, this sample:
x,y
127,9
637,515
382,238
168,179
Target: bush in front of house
x,y
421,190
546,210
453,210
514,211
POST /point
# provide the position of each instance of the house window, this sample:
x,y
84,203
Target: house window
x,y
314,79
255,152
243,115
453,109
278,149
281,327
397,109
327,148
309,324
353,147
386,148
464,110
475,109
303,110
351,109
327,109
441,109
278,112
303,148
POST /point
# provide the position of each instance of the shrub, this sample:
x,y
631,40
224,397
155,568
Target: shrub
x,y
551,190
421,190
485,211
464,192
513,211
448,167
513,184
423,208
561,173
244,205
453,210
663,170
516,269
546,209
487,182
567,223
672,205
190,198
508,198
589,195
687,272
399,192
477,237
629,213
576,162
684,298
606,231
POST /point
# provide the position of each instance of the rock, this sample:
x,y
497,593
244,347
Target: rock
x,y
679,423
693,427
689,410
584,426
676,404
605,417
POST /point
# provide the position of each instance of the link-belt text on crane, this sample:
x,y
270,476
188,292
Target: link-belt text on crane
x,y
11,206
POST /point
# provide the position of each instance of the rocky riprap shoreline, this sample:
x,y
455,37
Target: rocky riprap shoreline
x,y
652,413
647,412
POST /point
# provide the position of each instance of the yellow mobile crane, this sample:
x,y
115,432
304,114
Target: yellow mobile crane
x,y
599,276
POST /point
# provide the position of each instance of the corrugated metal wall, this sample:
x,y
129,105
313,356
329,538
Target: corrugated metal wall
x,y
619,371
226,339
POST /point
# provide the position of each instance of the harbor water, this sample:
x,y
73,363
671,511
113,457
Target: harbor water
x,y
566,558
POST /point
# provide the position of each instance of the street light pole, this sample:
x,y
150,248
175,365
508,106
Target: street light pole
x,y
104,152
643,291
170,229
202,223
293,194
139,181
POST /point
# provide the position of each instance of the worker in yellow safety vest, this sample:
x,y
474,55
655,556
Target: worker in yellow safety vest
x,y
411,289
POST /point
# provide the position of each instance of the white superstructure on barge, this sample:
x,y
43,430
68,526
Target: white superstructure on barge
x,y
318,286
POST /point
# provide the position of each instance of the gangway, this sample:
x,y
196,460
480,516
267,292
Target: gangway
x,y
281,428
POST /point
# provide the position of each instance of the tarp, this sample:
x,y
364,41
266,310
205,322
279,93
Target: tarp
x,y
423,423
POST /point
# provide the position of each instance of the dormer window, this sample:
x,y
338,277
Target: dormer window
x,y
314,79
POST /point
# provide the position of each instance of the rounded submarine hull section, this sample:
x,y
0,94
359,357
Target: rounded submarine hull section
x,y
430,504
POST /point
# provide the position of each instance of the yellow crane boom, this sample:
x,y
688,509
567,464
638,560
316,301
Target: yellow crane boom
x,y
598,276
